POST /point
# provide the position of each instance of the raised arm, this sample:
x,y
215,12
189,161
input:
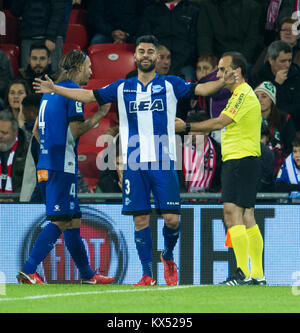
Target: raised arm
x,y
47,87
211,87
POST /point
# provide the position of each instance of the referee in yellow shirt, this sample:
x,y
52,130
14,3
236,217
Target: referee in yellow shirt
x,y
240,123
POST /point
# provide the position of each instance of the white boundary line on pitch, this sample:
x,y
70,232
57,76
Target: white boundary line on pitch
x,y
95,293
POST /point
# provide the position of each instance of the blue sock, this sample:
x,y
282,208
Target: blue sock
x,y
75,245
170,237
43,245
143,242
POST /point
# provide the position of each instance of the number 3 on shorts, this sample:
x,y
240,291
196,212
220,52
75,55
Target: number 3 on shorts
x,y
127,186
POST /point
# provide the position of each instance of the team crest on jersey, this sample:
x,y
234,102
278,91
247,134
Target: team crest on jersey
x,y
155,105
157,89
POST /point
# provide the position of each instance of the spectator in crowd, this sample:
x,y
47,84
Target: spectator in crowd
x,y
16,91
6,75
285,76
206,70
42,20
30,191
226,25
267,159
201,160
286,35
29,109
13,150
275,11
173,23
281,125
39,64
114,21
288,179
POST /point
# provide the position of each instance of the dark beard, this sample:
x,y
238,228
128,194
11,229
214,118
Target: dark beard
x,y
145,69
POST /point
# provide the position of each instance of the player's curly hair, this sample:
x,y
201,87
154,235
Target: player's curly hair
x,y
70,65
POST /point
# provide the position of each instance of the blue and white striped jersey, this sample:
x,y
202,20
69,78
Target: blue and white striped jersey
x,y
146,115
58,149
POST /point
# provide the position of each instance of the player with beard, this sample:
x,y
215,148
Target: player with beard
x,y
147,111
39,64
58,127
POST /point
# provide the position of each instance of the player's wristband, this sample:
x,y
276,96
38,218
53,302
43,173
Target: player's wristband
x,y
187,128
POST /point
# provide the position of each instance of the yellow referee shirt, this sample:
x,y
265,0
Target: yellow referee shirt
x,y
242,137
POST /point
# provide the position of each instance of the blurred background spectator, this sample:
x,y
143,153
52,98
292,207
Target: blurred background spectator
x,y
280,125
16,91
229,25
6,75
42,20
206,70
285,76
13,149
39,64
115,21
201,160
287,36
173,23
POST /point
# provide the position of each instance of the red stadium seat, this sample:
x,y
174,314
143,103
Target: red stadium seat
x,y
87,157
69,47
13,52
12,27
78,16
111,61
77,34
92,183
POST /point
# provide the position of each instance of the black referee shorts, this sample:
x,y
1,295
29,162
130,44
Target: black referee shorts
x,y
240,179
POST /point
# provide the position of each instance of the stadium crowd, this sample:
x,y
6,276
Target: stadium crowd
x,y
193,35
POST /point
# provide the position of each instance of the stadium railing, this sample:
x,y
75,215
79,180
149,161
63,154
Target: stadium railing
x,y
94,197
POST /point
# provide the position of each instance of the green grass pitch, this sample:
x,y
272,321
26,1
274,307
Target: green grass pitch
x,y
75,298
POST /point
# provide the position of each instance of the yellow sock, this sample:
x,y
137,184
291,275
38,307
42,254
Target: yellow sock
x,y
256,245
240,243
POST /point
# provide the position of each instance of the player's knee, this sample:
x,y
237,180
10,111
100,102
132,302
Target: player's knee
x,y
171,220
62,225
141,222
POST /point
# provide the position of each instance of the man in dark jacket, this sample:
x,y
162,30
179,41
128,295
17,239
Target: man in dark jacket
x,y
174,27
43,20
115,21
285,75
39,64
229,25
13,150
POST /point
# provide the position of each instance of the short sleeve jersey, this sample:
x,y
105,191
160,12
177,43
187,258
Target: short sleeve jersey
x,y
58,148
241,138
147,115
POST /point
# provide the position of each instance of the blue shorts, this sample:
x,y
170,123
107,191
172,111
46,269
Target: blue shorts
x,y
138,185
59,190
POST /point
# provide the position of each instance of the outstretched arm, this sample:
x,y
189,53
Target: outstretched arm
x,y
209,125
47,87
211,87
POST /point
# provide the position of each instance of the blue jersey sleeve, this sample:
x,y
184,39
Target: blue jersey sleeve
x,y
283,175
182,88
75,110
108,94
